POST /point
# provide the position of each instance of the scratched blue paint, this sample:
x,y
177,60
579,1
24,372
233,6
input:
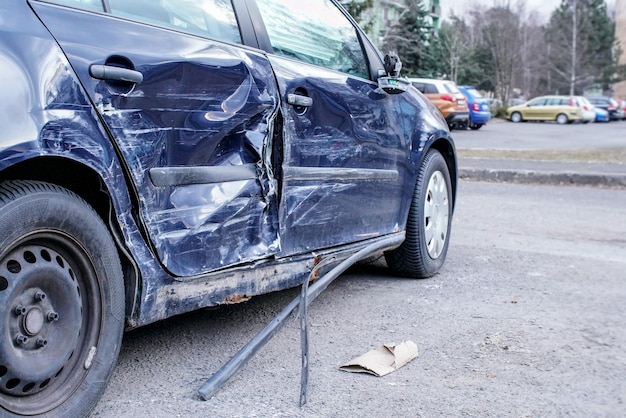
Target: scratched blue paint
x,y
206,104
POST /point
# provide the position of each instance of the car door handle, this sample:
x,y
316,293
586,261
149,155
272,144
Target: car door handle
x,y
299,100
111,73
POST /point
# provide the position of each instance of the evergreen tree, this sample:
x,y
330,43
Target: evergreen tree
x,y
411,39
356,8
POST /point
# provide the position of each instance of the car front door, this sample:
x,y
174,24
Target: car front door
x,y
344,146
536,109
190,111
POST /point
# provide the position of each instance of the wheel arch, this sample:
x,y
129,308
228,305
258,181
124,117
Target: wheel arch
x,y
64,172
447,150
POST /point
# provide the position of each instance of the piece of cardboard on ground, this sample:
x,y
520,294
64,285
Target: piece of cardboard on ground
x,y
383,360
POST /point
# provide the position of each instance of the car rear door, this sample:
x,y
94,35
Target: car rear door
x,y
344,144
190,111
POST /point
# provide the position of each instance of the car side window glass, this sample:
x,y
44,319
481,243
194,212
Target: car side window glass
x,y
208,18
315,32
91,5
451,88
419,86
430,89
538,102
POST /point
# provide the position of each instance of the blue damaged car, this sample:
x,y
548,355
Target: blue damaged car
x,y
161,156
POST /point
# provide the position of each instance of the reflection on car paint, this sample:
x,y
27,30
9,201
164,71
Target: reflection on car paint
x,y
195,276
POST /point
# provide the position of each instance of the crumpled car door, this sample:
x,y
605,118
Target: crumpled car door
x,y
191,119
345,141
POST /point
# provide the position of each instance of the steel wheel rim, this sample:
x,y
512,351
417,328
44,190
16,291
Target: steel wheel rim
x,y
436,214
47,289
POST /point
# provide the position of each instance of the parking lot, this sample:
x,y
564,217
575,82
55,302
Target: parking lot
x,y
504,135
525,319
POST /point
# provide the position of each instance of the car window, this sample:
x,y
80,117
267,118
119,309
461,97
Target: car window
x,y
210,18
537,102
430,89
419,86
92,5
553,101
426,88
451,88
315,32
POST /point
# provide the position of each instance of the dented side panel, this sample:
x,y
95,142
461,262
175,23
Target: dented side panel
x,y
345,159
194,134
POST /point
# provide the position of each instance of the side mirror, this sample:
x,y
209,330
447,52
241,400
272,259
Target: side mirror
x,y
392,65
389,78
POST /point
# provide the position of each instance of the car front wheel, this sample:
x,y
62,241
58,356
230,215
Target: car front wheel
x,y
61,302
516,117
425,247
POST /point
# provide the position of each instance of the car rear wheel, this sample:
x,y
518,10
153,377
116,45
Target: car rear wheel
x,y
476,126
425,247
516,117
61,302
562,119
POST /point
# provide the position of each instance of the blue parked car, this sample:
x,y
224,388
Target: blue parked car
x,y
480,112
601,115
158,157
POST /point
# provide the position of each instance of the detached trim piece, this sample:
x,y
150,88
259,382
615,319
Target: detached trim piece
x,y
323,174
180,176
308,294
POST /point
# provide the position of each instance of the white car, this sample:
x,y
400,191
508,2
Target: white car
x,y
588,110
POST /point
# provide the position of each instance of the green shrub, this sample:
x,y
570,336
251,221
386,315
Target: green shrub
x,y
498,112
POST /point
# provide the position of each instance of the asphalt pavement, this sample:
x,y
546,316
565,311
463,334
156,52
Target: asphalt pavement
x,y
501,135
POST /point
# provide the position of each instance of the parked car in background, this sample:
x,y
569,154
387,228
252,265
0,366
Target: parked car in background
x,y
449,100
158,157
479,110
609,104
601,115
587,109
562,109
622,105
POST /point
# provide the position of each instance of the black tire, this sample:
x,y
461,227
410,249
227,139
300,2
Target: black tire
x,y
476,126
425,247
61,302
562,119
